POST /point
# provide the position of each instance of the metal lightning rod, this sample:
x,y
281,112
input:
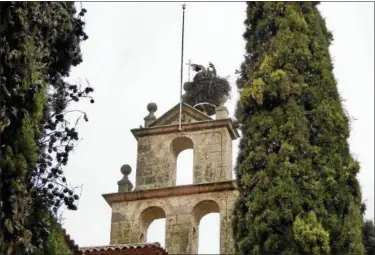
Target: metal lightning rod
x,y
182,61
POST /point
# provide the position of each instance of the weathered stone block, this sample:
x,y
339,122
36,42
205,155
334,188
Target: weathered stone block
x,y
116,217
125,225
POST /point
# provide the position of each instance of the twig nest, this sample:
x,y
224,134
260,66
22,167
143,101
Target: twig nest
x,y
188,86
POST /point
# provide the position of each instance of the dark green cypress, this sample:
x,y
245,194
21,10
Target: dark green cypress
x,y
39,43
297,179
369,237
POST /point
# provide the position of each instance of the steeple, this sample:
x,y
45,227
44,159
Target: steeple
x,y
156,195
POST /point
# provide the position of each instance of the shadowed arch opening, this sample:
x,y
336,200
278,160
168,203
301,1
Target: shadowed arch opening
x,y
152,225
206,228
183,151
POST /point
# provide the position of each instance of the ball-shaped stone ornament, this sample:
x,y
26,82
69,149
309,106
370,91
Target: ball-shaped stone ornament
x,y
126,169
223,99
152,107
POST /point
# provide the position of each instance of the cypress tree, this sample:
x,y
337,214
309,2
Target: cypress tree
x,y
296,177
39,43
369,237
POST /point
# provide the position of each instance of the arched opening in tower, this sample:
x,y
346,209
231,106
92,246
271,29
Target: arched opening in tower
x,y
209,234
183,151
152,225
206,228
156,232
184,172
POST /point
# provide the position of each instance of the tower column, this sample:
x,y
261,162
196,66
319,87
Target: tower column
x,y
226,236
194,238
226,229
179,231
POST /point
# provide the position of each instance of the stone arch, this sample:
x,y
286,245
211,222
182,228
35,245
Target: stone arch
x,y
201,209
179,145
146,218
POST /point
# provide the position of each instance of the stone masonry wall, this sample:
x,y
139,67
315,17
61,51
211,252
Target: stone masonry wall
x,y
131,219
156,163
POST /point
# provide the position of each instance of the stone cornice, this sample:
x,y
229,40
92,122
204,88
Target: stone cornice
x,y
139,132
170,191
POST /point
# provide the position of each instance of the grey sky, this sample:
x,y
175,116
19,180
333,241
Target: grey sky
x,y
132,58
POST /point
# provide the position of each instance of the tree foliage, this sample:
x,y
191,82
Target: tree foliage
x,y
369,237
56,241
206,87
39,43
297,179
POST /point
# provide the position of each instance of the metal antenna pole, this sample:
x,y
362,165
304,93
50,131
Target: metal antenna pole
x,y
182,61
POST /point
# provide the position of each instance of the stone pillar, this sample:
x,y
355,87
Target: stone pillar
x,y
152,108
226,232
221,110
226,236
121,230
179,234
194,235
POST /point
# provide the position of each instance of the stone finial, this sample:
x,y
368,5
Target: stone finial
x,y
124,185
152,108
221,110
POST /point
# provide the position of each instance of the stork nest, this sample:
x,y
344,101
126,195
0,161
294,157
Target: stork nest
x,y
206,87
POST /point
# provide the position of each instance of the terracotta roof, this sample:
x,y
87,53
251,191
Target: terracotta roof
x,y
139,248
70,242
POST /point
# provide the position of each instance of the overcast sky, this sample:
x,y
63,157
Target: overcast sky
x,y
132,57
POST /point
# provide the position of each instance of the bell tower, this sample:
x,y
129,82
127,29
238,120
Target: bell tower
x,y
156,195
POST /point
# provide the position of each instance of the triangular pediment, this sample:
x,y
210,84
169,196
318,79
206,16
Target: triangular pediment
x,y
189,115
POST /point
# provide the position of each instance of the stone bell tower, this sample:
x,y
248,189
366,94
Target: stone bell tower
x,y
156,195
